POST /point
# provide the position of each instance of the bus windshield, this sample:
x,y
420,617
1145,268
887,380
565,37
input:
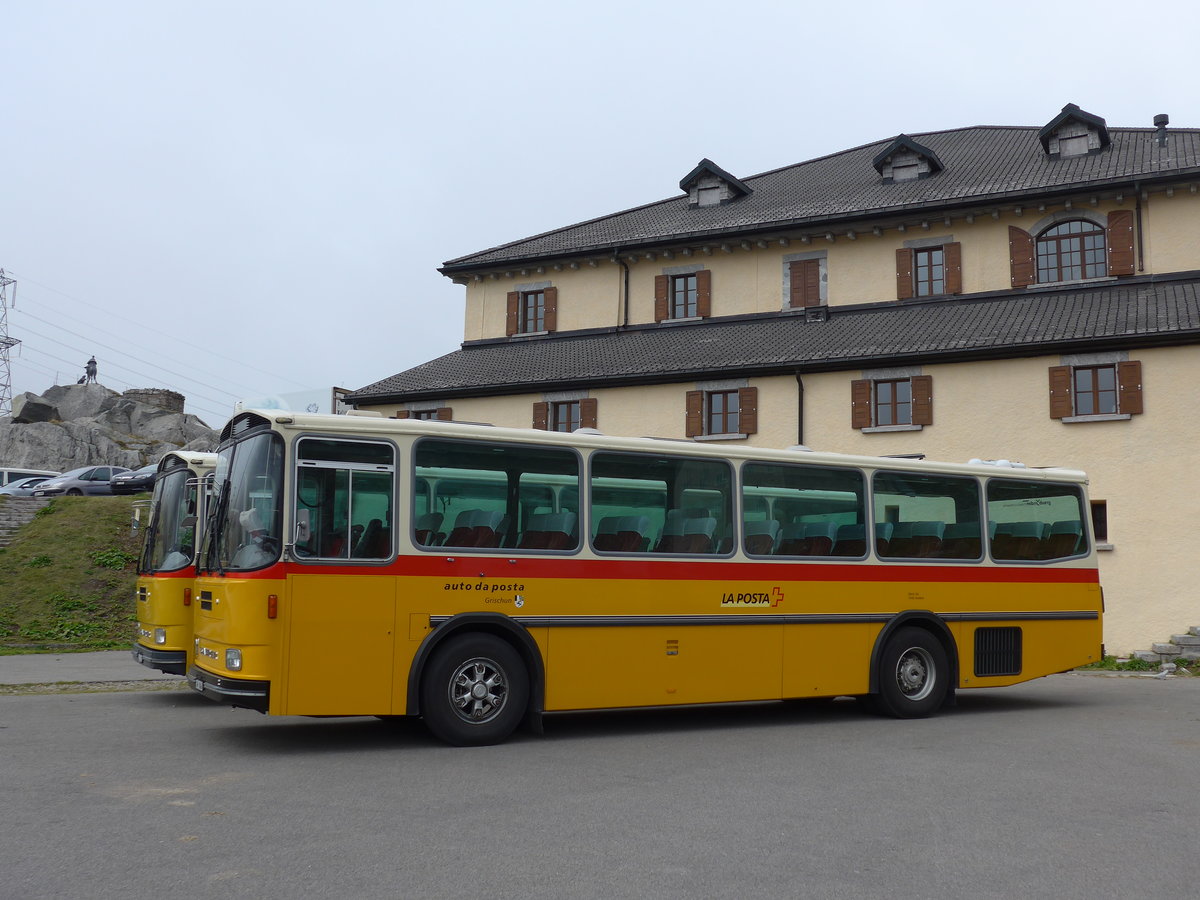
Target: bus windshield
x,y
247,518
170,539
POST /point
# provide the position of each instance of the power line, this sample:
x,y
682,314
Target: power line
x,y
218,416
116,350
151,378
175,337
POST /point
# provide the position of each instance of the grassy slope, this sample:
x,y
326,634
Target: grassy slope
x,y
67,579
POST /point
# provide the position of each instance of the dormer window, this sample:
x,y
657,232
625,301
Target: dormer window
x,y
906,160
710,185
1073,132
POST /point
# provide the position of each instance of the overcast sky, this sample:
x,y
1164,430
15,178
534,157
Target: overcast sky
x,y
238,199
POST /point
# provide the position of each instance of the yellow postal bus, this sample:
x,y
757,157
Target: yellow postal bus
x,y
479,577
167,564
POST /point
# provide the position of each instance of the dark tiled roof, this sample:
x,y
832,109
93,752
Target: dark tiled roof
x,y
983,164
1148,310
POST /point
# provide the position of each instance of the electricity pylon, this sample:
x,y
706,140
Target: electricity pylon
x,y
6,344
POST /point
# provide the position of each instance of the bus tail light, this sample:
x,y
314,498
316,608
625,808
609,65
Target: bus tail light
x,y
187,596
272,606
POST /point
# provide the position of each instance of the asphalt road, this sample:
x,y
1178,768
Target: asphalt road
x,y
1071,786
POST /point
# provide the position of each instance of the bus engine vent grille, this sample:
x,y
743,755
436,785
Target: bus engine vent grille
x,y
997,651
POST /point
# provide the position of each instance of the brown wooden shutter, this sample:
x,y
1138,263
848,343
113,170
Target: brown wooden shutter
x,y
860,404
445,414
747,410
805,283
952,260
587,412
402,414
904,281
1061,405
704,293
922,399
512,316
694,408
1020,257
1120,242
1129,387
662,287
550,314
541,415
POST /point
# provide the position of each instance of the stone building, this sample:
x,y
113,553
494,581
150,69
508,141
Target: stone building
x,y
1028,293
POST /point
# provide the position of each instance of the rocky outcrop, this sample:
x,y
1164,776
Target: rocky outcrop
x,y
87,424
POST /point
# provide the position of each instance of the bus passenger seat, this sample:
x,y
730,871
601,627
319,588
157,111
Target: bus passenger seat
x,y
368,545
698,535
426,528
762,536
851,540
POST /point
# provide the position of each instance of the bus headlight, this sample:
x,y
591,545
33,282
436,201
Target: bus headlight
x,y
233,659
160,635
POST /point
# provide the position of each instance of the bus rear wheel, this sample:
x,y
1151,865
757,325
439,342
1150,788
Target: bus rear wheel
x,y
913,675
474,690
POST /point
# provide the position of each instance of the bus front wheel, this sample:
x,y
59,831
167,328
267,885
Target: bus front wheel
x,y
474,690
913,675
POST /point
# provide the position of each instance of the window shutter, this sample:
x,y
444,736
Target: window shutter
x,y
1060,392
550,311
445,414
860,404
1120,242
747,410
513,312
704,293
804,283
904,282
662,286
1129,387
402,414
1020,257
587,412
952,259
694,423
922,399
541,415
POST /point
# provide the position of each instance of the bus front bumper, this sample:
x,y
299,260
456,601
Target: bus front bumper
x,y
238,692
173,662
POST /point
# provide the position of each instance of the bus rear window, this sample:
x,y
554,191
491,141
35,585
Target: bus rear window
x,y
1035,520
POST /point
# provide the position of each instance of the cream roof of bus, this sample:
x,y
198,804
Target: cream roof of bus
x,y
381,427
194,459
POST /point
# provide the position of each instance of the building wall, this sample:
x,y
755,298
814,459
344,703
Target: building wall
x,y
859,270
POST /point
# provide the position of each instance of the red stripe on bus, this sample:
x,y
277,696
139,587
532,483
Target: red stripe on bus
x,y
507,568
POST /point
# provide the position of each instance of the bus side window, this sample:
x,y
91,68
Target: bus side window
x,y
803,510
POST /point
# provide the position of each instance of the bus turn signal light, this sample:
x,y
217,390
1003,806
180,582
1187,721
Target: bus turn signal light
x,y
187,596
272,606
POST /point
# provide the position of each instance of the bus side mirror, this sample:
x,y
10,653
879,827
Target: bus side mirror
x,y
302,527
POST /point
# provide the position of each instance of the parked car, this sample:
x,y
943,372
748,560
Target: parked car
x,y
136,481
85,480
22,487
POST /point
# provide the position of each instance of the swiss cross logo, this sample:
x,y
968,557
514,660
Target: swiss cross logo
x,y
776,595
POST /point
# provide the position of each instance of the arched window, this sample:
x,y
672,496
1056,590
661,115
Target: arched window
x,y
1071,251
